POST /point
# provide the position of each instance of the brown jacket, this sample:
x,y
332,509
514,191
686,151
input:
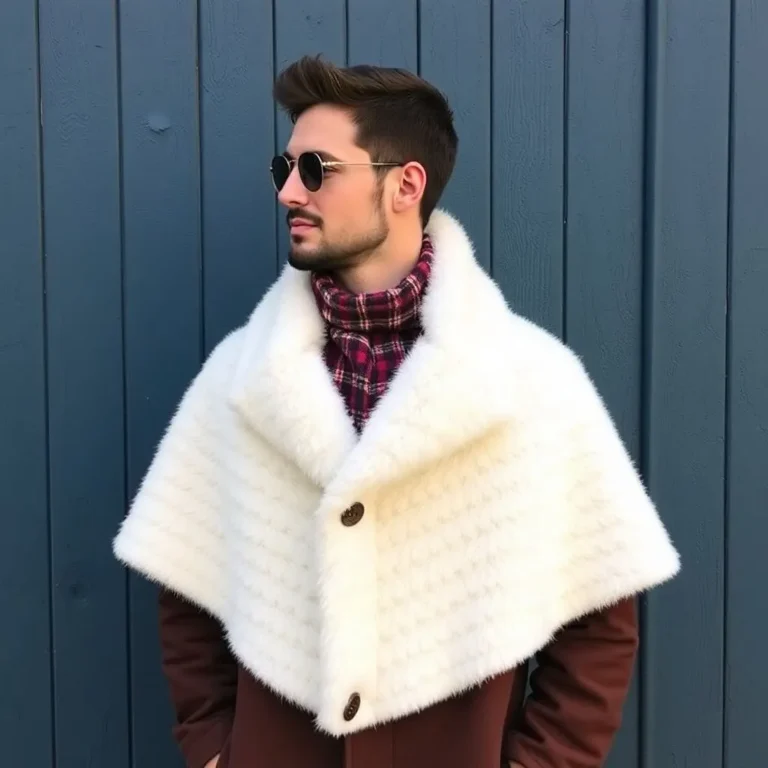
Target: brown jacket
x,y
568,720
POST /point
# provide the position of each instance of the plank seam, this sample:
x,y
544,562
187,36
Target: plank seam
x,y
346,32
655,36
418,37
201,180
275,139
121,214
491,123
728,383
46,379
565,174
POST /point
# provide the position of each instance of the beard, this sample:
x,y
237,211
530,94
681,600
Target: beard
x,y
346,252
330,257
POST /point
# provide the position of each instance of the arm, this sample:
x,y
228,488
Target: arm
x,y
202,678
578,692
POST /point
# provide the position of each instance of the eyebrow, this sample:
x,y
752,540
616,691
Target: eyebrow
x,y
323,155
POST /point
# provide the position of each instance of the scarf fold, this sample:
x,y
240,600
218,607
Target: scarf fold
x,y
369,334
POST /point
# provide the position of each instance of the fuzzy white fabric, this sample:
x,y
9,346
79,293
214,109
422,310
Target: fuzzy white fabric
x,y
500,502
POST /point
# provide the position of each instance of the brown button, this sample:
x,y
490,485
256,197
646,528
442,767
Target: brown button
x,y
352,706
353,515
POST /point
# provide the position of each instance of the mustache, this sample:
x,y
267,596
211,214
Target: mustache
x,y
296,214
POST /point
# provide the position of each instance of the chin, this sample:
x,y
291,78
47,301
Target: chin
x,y
302,260
299,264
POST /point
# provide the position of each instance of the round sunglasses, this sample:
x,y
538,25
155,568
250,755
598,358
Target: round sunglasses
x,y
311,169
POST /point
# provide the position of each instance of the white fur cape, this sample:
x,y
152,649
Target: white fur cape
x,y
500,502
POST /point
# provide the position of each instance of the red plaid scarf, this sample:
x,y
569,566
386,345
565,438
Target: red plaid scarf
x,y
369,334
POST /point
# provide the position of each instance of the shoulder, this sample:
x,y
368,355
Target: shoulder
x,y
542,350
552,372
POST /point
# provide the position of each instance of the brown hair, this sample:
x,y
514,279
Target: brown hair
x,y
399,116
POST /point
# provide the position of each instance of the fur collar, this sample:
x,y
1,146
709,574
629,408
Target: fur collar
x,y
457,367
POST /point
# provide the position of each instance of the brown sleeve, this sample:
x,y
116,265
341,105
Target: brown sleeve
x,y
577,692
202,678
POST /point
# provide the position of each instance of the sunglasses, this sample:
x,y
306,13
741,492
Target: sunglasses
x,y
311,169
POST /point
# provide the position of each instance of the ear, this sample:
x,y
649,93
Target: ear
x,y
410,189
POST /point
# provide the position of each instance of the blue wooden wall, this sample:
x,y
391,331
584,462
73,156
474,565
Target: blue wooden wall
x,y
614,174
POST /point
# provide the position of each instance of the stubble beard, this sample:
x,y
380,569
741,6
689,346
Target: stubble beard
x,y
329,257
332,257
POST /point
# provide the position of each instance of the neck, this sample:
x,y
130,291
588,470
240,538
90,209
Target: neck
x,y
388,265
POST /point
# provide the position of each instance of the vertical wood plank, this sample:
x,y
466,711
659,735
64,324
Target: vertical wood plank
x,y
384,33
310,27
304,27
25,652
78,55
237,130
685,376
603,299
163,305
747,526
528,153
447,27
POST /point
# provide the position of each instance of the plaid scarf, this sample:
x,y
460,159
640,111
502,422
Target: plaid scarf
x,y
369,334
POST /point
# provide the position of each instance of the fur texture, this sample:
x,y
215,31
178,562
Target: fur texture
x,y
500,502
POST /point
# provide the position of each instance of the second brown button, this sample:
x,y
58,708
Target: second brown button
x,y
352,706
353,515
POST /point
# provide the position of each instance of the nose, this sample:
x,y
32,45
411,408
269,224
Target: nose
x,y
293,194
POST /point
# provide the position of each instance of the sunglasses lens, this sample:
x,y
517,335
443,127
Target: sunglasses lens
x,y
281,170
311,171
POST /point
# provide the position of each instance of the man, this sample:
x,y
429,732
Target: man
x,y
387,492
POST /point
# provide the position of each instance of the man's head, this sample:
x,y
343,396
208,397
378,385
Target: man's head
x,y
390,140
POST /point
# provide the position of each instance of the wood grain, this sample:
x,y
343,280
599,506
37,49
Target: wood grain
x,y
26,650
163,293
685,343
747,564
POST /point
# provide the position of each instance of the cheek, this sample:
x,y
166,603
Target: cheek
x,y
344,207
337,208
342,196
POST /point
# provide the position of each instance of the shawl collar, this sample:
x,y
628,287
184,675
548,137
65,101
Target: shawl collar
x,y
451,388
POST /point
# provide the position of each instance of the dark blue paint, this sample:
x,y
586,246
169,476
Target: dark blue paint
x,y
304,28
466,80
685,376
603,241
25,647
747,565
385,34
237,140
528,92
158,123
163,289
85,382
